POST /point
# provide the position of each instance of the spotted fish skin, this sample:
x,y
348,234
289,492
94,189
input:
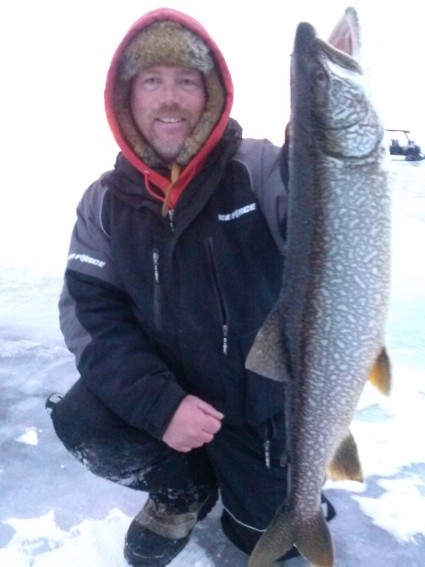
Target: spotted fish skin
x,y
327,330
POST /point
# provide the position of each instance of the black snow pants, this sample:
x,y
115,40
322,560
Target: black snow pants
x,y
243,462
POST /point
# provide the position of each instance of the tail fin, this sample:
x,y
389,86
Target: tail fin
x,y
314,542
312,539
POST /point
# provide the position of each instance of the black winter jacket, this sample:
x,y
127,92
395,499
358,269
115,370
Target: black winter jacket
x,y
155,308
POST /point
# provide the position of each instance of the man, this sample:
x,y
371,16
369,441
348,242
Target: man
x,y
175,262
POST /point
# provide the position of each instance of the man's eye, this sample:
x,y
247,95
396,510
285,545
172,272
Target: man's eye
x,y
189,83
151,82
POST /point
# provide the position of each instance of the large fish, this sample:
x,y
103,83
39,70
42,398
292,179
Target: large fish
x,y
326,334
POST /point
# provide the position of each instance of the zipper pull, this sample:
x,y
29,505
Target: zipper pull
x,y
155,258
267,453
225,339
171,219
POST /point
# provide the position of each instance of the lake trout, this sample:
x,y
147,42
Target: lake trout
x,y
326,334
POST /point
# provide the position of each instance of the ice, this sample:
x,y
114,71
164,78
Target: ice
x,y
54,512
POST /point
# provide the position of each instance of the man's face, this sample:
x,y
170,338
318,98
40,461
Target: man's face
x,y
167,103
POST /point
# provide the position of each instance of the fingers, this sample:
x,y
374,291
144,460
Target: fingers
x,y
210,410
210,420
210,425
194,424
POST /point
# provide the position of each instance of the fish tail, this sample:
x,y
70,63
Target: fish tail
x,y
312,539
275,542
314,542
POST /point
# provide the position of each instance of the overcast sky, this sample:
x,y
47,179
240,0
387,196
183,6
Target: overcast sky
x,y
55,55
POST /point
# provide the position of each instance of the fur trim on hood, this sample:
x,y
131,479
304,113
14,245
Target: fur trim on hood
x,y
166,36
166,43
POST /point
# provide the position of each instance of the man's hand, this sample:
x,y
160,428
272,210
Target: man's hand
x,y
194,423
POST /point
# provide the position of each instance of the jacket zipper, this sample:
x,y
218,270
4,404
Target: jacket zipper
x,y
268,437
156,288
220,297
171,219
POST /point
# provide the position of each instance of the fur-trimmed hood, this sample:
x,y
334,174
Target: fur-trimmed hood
x,y
167,36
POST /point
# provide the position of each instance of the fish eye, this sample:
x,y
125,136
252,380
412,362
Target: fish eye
x,y
320,78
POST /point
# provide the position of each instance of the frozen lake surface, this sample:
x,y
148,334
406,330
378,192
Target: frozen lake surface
x,y
55,513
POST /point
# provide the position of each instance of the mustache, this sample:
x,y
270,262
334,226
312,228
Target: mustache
x,y
171,109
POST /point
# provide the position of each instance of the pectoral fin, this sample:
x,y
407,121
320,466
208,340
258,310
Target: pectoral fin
x,y
267,355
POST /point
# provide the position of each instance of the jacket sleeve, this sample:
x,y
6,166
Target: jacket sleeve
x,y
267,167
112,353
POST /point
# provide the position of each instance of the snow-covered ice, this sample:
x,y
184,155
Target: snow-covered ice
x,y
55,513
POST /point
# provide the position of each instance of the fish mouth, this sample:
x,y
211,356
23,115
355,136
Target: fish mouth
x,y
337,56
307,42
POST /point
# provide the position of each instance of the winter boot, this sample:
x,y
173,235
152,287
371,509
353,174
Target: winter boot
x,y
162,528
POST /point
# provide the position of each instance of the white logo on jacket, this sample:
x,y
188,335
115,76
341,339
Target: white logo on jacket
x,y
86,259
238,212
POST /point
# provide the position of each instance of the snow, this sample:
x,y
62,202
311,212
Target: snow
x,y
30,437
54,512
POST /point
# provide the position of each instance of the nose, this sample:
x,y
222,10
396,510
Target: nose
x,y
169,93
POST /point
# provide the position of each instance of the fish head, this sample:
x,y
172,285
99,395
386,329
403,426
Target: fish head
x,y
337,111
